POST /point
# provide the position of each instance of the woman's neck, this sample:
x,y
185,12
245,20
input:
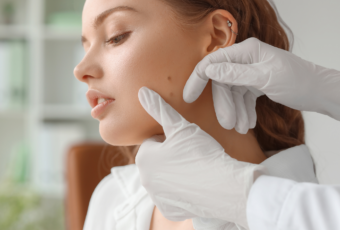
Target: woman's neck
x,y
243,147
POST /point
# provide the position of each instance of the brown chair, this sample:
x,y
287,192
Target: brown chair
x,y
87,165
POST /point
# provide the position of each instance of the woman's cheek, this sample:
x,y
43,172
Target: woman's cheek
x,y
127,123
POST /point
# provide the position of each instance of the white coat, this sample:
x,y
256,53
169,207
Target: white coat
x,y
120,202
281,204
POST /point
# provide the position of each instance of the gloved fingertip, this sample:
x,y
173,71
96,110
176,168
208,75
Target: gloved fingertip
x,y
194,87
252,123
188,96
146,97
227,123
227,126
142,95
241,130
141,91
144,92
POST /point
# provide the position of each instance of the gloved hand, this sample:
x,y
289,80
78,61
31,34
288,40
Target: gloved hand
x,y
187,172
246,70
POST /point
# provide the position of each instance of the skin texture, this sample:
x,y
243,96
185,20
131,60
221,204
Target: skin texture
x,y
160,54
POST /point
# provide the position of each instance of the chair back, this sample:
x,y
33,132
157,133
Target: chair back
x,y
87,165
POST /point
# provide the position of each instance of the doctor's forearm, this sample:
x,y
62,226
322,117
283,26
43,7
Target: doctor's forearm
x,y
280,204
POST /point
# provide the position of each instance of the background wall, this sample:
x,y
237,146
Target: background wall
x,y
315,25
43,109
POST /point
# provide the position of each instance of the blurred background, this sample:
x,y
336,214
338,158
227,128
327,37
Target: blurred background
x,y
43,109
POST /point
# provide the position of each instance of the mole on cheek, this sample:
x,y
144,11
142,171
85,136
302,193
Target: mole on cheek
x,y
169,78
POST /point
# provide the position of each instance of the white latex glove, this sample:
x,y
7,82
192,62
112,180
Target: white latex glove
x,y
188,174
246,70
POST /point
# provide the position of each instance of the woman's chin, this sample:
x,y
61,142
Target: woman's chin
x,y
127,132
118,137
119,140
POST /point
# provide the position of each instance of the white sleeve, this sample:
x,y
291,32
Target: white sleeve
x,y
281,204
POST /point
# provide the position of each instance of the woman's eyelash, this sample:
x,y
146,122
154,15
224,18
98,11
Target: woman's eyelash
x,y
116,40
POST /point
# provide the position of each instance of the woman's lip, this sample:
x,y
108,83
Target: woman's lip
x,y
92,96
100,108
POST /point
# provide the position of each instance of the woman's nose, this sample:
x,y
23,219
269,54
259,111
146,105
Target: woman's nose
x,y
88,69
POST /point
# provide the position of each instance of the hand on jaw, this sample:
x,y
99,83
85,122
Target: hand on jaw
x,y
172,168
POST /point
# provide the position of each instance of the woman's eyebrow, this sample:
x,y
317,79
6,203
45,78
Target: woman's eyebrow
x,y
102,16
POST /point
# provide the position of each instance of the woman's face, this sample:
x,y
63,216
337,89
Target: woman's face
x,y
152,51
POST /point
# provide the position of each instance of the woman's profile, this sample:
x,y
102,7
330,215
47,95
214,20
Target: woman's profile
x,y
157,43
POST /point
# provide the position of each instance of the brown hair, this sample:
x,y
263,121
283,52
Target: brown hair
x,y
278,127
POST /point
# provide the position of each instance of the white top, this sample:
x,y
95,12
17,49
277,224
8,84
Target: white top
x,y
120,202
281,204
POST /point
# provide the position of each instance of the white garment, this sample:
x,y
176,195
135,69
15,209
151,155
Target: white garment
x,y
281,204
120,202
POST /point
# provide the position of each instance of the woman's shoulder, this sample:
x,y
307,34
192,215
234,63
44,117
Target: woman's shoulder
x,y
111,196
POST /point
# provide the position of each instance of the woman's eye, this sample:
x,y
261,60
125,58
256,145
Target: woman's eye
x,y
116,40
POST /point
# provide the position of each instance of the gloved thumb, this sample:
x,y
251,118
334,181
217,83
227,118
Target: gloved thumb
x,y
161,111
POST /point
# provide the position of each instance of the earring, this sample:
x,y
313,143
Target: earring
x,y
229,25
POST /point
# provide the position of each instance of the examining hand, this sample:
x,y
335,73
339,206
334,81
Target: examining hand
x,y
246,70
187,172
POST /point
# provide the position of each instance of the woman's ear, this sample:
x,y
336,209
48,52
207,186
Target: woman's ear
x,y
220,33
